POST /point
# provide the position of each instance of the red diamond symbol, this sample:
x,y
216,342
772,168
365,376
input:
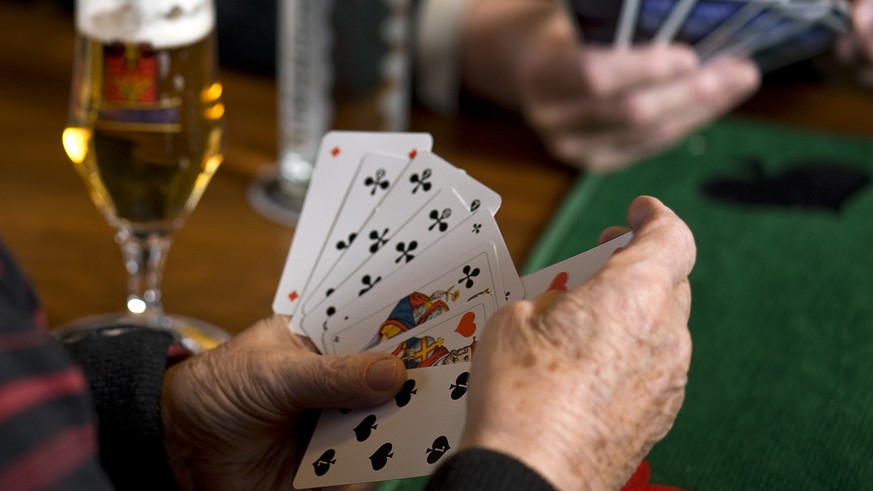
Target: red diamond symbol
x,y
293,295
412,153
335,151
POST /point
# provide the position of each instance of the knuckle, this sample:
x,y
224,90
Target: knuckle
x,y
596,78
638,111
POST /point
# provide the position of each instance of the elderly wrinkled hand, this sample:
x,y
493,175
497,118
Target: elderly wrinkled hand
x,y
237,417
603,108
579,385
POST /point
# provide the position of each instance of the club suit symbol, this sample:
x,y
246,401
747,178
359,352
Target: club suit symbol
x,y
365,428
322,464
805,184
380,457
459,388
406,392
437,449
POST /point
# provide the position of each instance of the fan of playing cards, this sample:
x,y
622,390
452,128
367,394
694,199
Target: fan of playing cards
x,y
774,33
397,250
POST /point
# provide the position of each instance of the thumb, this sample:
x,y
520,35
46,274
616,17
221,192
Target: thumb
x,y
359,380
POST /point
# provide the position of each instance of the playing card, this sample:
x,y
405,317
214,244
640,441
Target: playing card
x,y
804,32
572,272
627,22
772,33
440,267
706,16
414,299
338,156
450,338
652,15
406,437
721,36
371,182
674,21
430,199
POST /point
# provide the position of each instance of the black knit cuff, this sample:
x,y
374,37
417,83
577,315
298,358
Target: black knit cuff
x,y
125,367
485,469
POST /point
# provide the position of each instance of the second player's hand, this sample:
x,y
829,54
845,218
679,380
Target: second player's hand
x,y
602,108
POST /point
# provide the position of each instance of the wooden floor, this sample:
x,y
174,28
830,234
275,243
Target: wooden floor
x,y
226,262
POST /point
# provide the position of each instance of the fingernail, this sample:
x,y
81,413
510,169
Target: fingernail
x,y
380,375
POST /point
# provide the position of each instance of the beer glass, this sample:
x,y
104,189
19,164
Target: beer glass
x,y
146,133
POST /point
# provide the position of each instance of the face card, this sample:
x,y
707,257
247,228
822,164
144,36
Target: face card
x,y
478,234
474,275
406,437
572,272
338,156
431,196
445,340
429,225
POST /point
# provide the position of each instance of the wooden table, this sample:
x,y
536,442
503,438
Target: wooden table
x,y
226,262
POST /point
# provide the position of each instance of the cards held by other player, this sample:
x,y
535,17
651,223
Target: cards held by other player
x,y
773,33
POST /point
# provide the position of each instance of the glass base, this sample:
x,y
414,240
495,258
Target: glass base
x,y
275,198
195,335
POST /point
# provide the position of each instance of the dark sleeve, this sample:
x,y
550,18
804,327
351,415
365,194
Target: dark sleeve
x,y
124,366
477,469
47,430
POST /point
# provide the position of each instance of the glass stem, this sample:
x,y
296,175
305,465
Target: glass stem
x,y
144,257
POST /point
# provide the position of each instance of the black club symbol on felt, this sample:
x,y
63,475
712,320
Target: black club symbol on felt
x,y
406,251
469,274
369,282
421,181
477,227
378,240
439,219
378,181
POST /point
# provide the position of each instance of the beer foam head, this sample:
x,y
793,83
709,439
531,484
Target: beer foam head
x,y
161,23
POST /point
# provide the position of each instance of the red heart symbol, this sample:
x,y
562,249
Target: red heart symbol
x,y
467,326
559,282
